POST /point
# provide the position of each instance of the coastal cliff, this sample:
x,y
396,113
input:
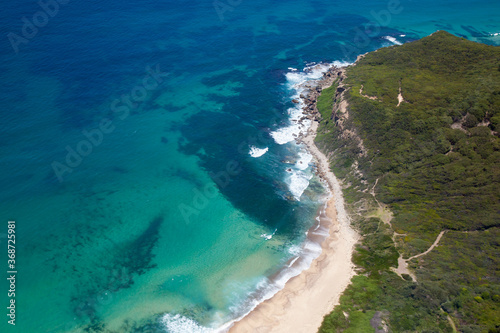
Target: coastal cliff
x,y
412,133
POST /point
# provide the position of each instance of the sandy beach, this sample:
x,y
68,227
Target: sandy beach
x,y
301,305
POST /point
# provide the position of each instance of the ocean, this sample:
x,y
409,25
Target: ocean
x,y
148,155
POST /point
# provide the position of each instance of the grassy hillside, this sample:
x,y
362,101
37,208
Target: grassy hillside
x,y
434,163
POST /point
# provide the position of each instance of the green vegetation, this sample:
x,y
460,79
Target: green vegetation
x,y
325,101
435,161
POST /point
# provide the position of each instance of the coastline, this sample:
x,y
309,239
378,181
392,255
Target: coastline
x,y
306,298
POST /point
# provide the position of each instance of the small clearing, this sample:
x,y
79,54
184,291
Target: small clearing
x,y
400,96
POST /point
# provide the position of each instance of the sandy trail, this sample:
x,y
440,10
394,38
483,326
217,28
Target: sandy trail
x,y
436,242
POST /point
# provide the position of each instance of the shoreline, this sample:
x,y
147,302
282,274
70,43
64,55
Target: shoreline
x,y
306,298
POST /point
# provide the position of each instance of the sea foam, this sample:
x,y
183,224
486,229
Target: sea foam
x,y
180,324
268,236
298,83
289,133
304,159
295,81
257,152
268,287
392,40
298,182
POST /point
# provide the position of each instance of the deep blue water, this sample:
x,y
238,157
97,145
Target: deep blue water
x,y
125,132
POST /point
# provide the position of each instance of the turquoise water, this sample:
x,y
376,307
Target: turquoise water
x,y
145,153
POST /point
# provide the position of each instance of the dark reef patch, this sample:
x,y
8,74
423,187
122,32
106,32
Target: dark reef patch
x,y
133,258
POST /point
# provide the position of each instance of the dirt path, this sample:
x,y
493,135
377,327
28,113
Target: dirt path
x,y
400,96
366,96
400,99
436,242
403,263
